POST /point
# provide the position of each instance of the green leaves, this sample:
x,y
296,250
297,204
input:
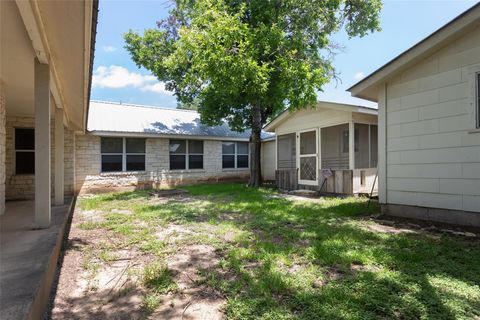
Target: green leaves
x,y
228,55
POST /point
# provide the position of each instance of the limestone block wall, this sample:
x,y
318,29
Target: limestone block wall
x,y
89,177
2,148
23,186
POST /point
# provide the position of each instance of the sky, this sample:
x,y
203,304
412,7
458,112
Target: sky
x,y
117,78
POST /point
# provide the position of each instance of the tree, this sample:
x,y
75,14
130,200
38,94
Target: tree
x,y
245,60
191,105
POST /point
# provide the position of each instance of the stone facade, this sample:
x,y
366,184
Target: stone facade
x,y
2,148
157,173
23,186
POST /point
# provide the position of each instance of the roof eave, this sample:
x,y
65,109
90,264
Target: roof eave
x,y
129,134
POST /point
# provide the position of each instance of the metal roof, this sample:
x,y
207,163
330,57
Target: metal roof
x,y
111,117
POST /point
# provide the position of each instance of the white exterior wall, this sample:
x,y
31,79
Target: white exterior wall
x,y
430,149
268,160
157,173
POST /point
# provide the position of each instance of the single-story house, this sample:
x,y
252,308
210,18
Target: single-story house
x,y
331,147
137,146
429,125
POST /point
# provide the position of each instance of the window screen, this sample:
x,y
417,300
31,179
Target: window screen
x,y
195,154
178,153
234,155
24,151
186,154
122,154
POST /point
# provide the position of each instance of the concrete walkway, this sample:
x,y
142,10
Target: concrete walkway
x,y
28,259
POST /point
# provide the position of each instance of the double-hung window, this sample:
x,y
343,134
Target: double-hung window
x,y
24,151
122,154
234,155
186,154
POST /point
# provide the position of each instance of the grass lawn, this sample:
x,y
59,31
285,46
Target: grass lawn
x,y
276,258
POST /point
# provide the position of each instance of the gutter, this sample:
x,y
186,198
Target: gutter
x,y
93,36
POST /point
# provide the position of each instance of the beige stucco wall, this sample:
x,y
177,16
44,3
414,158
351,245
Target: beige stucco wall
x,y
2,148
156,174
268,160
429,148
23,186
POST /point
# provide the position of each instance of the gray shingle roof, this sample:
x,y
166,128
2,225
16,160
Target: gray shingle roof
x,y
127,118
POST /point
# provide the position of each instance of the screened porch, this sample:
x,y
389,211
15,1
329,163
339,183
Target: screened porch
x,y
333,159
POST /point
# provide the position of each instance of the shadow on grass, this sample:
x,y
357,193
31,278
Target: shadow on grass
x,y
416,275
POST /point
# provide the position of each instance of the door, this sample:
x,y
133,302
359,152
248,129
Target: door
x,y
307,157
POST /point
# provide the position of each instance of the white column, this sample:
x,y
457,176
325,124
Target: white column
x,y
59,157
42,145
382,144
351,145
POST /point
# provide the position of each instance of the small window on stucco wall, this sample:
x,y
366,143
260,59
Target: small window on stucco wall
x,y
24,151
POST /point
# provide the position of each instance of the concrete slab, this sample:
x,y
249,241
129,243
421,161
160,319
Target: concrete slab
x,y
28,259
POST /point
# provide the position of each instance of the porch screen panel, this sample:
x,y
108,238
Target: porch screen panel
x,y
334,147
286,151
361,143
373,146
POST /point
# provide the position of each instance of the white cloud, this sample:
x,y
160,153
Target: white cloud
x,y
109,48
158,87
117,77
359,75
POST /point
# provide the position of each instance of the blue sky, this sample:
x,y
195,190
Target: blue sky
x,y
117,78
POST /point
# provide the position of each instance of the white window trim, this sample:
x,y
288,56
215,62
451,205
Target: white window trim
x,y
187,155
124,155
235,154
20,150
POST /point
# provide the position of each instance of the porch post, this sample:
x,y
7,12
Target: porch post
x,y
59,157
42,144
351,145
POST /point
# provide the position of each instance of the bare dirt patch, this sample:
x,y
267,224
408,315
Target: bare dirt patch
x,y
87,289
101,277
193,300
376,227
173,232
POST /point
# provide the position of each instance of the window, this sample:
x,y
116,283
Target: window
x,y
24,151
122,154
234,155
186,154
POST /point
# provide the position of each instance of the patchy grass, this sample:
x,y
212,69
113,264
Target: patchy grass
x,y
158,278
283,259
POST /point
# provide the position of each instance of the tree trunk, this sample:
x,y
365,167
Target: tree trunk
x,y
255,147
